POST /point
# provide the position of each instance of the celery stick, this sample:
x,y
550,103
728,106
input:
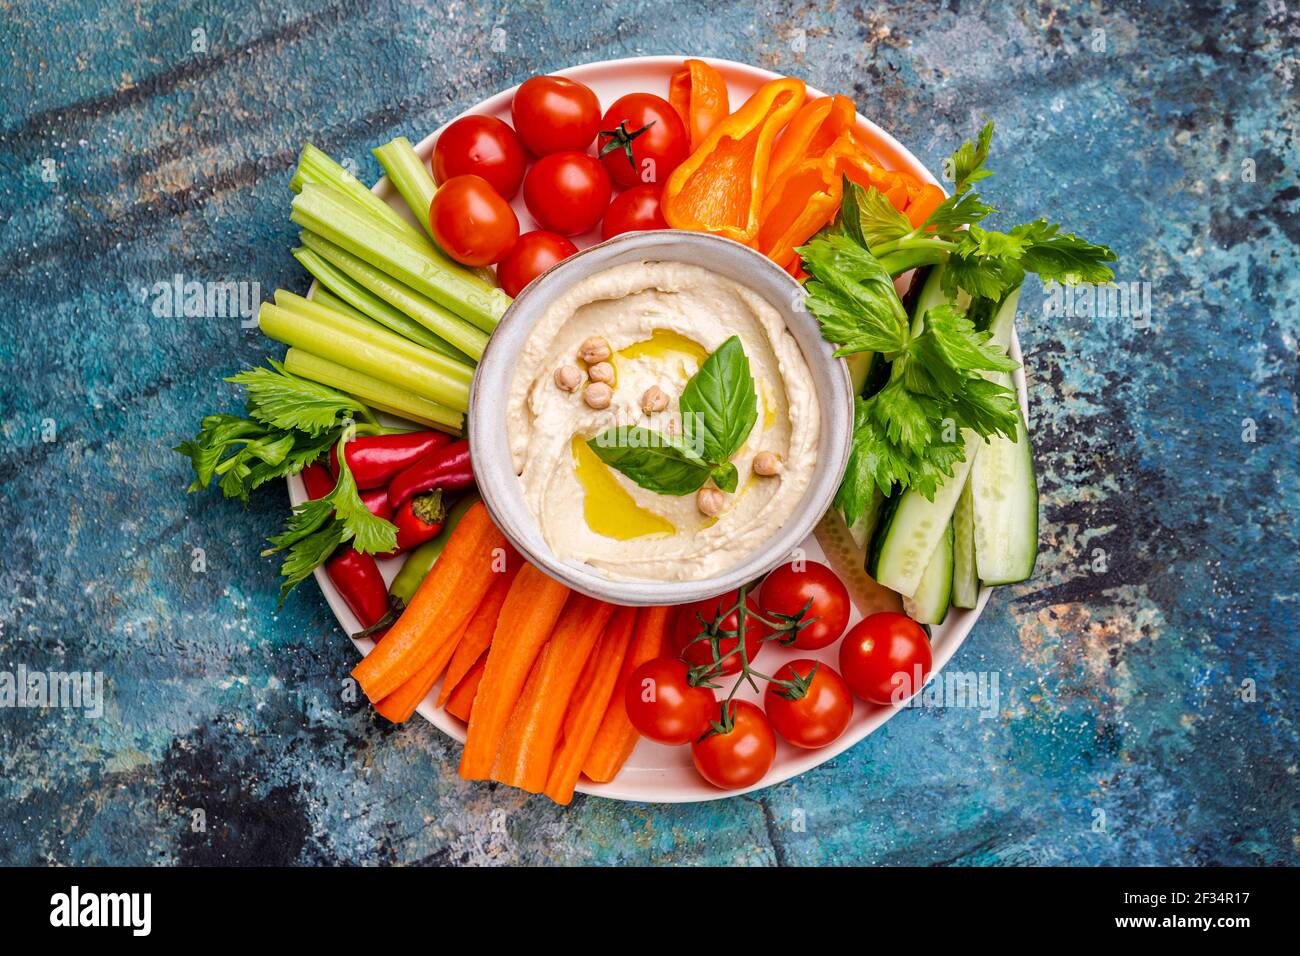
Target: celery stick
x,y
344,291
330,214
406,171
397,296
386,356
315,166
327,298
378,394
370,330
410,177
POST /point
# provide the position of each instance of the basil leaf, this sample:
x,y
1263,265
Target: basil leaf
x,y
725,476
718,404
654,461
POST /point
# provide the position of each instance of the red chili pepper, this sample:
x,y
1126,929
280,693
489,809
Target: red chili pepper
x,y
376,501
318,480
447,468
419,520
374,459
356,575
320,483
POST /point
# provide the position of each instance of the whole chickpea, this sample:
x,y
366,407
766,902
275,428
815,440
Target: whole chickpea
x,y
593,350
654,400
710,501
598,395
767,463
568,377
601,372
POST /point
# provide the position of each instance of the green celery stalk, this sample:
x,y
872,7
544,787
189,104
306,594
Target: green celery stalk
x,y
332,215
328,299
406,172
354,298
315,166
371,330
376,352
400,297
378,394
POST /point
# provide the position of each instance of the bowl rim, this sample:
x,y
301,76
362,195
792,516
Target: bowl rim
x,y
830,378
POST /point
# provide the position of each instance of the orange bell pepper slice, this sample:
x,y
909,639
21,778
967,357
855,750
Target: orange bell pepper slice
x,y
720,186
805,199
808,194
924,202
814,129
905,192
699,95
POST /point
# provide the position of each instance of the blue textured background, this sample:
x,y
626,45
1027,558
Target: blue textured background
x,y
1121,686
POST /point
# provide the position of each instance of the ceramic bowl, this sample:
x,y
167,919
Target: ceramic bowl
x,y
489,444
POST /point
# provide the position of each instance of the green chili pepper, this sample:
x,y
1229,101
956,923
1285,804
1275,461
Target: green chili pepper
x,y
419,561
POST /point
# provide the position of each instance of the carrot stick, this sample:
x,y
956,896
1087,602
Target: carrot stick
x,y
401,703
589,703
445,600
527,618
616,736
461,702
524,759
478,633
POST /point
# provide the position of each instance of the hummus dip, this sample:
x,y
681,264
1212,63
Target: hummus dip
x,y
661,320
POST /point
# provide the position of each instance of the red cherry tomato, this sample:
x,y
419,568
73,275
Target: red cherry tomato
x,y
633,210
820,715
481,146
552,115
567,192
651,128
886,658
663,706
740,757
789,591
471,222
688,625
533,254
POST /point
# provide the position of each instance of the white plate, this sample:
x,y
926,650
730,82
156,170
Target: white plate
x,y
656,773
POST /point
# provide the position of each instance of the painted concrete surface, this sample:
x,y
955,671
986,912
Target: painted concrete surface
x,y
1147,678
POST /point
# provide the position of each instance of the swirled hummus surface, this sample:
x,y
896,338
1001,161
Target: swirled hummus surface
x,y
661,320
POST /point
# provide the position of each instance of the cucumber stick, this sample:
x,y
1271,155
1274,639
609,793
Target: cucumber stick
x,y
965,580
929,605
862,530
1005,493
1004,488
912,526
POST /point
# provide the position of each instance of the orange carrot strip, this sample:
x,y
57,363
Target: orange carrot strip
x,y
461,702
524,759
401,703
616,737
589,704
446,598
478,633
532,607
